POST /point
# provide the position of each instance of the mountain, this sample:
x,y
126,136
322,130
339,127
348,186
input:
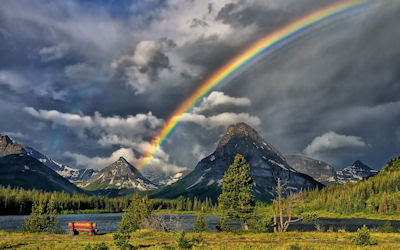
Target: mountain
x,y
163,179
8,146
74,175
119,175
20,170
266,165
319,170
356,172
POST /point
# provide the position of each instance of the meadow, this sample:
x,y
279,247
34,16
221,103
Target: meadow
x,y
160,240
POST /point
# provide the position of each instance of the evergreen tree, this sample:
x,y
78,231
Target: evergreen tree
x,y
236,200
222,225
139,209
43,218
200,224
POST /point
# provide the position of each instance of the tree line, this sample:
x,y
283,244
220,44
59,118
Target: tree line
x,y
18,201
378,194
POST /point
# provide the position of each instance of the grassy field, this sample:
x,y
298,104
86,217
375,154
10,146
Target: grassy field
x,y
152,240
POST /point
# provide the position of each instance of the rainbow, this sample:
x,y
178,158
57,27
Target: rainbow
x,y
263,45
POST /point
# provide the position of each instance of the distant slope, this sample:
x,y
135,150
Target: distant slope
x,y
19,170
356,172
266,165
378,194
74,175
319,170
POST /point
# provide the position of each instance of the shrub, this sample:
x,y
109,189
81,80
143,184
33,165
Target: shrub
x,y
182,241
200,224
262,225
121,240
386,228
197,239
97,246
309,217
363,237
222,225
43,218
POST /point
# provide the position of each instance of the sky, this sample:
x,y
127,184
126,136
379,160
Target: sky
x,y
86,82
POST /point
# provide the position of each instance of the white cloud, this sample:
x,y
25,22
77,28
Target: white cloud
x,y
102,162
216,99
332,141
55,52
131,131
221,120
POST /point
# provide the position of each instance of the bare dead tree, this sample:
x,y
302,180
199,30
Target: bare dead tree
x,y
278,207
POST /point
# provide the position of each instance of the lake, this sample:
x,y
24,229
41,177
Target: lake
x,y
108,223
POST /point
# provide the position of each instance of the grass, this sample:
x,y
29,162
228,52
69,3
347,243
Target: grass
x,y
155,240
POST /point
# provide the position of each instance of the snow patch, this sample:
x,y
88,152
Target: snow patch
x,y
26,167
197,182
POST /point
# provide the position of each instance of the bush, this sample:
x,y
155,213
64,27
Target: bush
x,y
43,218
182,241
200,224
222,225
262,225
386,228
363,237
309,217
121,240
97,246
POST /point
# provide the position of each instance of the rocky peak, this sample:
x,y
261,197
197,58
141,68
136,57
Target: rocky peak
x,y
358,164
8,146
238,130
242,133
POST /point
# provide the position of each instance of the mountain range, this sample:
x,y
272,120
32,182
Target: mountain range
x,y
326,174
28,168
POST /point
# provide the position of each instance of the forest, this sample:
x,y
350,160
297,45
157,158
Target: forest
x,y
378,194
18,201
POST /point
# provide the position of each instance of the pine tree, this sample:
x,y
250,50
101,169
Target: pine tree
x,y
200,224
236,200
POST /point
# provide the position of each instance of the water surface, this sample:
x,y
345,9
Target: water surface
x,y
108,223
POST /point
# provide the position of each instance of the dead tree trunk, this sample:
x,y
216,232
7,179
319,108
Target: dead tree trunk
x,y
283,224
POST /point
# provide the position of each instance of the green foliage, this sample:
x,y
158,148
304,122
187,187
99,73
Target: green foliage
x,y
121,240
236,199
19,201
182,241
222,225
363,237
309,217
262,225
200,224
386,228
97,246
43,218
139,209
197,239
379,194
